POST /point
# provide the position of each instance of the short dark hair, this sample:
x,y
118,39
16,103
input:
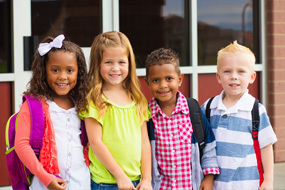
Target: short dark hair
x,y
162,56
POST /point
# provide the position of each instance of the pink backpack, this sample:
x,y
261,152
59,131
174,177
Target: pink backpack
x,y
19,174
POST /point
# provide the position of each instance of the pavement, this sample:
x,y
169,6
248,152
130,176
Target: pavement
x,y
279,177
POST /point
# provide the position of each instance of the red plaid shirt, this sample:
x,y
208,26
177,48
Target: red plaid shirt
x,y
173,145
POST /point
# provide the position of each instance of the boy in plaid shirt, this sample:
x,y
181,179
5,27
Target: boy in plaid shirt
x,y
175,150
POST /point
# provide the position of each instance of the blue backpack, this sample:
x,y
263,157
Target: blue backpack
x,y
20,175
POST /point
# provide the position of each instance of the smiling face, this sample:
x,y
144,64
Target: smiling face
x,y
164,82
235,74
114,67
62,70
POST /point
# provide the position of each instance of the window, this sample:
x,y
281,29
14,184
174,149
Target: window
x,y
5,37
221,22
154,24
79,21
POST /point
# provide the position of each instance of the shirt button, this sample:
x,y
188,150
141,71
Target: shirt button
x,y
169,121
174,166
68,119
173,151
69,154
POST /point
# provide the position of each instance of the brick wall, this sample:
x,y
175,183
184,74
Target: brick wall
x,y
275,35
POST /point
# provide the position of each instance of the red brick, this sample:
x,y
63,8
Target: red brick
x,y
276,17
279,155
277,86
277,121
280,132
280,144
276,75
275,5
276,28
276,52
274,98
278,110
275,40
276,63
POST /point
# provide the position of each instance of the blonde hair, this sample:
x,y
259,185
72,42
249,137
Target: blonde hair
x,y
131,83
233,49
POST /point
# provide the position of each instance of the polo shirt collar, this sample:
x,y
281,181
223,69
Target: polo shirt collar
x,y
245,103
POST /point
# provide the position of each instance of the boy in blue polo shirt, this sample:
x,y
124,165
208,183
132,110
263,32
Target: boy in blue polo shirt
x,y
231,121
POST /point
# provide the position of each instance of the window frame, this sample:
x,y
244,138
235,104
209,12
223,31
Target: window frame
x,y
194,70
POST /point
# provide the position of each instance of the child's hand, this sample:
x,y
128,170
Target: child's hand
x,y
207,183
57,183
266,186
144,185
124,183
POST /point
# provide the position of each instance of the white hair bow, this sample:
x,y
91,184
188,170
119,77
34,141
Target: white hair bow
x,y
46,47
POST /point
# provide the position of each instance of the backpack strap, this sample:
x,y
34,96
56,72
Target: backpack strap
x,y
150,129
196,120
255,126
208,110
197,123
37,122
255,119
83,136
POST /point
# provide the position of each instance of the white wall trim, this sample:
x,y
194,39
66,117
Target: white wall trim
x,y
194,49
110,15
7,77
263,53
21,25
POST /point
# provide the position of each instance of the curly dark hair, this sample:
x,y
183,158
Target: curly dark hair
x,y
38,85
162,56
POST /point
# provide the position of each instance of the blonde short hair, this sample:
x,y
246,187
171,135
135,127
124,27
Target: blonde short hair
x,y
233,49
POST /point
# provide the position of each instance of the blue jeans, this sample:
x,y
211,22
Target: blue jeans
x,y
108,186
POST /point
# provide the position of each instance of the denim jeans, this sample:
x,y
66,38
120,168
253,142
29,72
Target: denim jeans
x,y
107,186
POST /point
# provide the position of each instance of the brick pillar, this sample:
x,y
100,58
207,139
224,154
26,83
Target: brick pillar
x,y
275,36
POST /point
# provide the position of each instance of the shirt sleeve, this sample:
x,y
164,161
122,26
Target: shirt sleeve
x,y
209,160
92,113
25,151
213,171
266,134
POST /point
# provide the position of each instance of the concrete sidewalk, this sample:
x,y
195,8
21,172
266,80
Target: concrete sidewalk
x,y
279,177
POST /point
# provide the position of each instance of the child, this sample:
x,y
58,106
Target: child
x,y
176,161
120,152
59,80
232,124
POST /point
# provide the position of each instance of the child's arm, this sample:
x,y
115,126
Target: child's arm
x,y
267,163
94,133
207,183
26,153
145,183
209,157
